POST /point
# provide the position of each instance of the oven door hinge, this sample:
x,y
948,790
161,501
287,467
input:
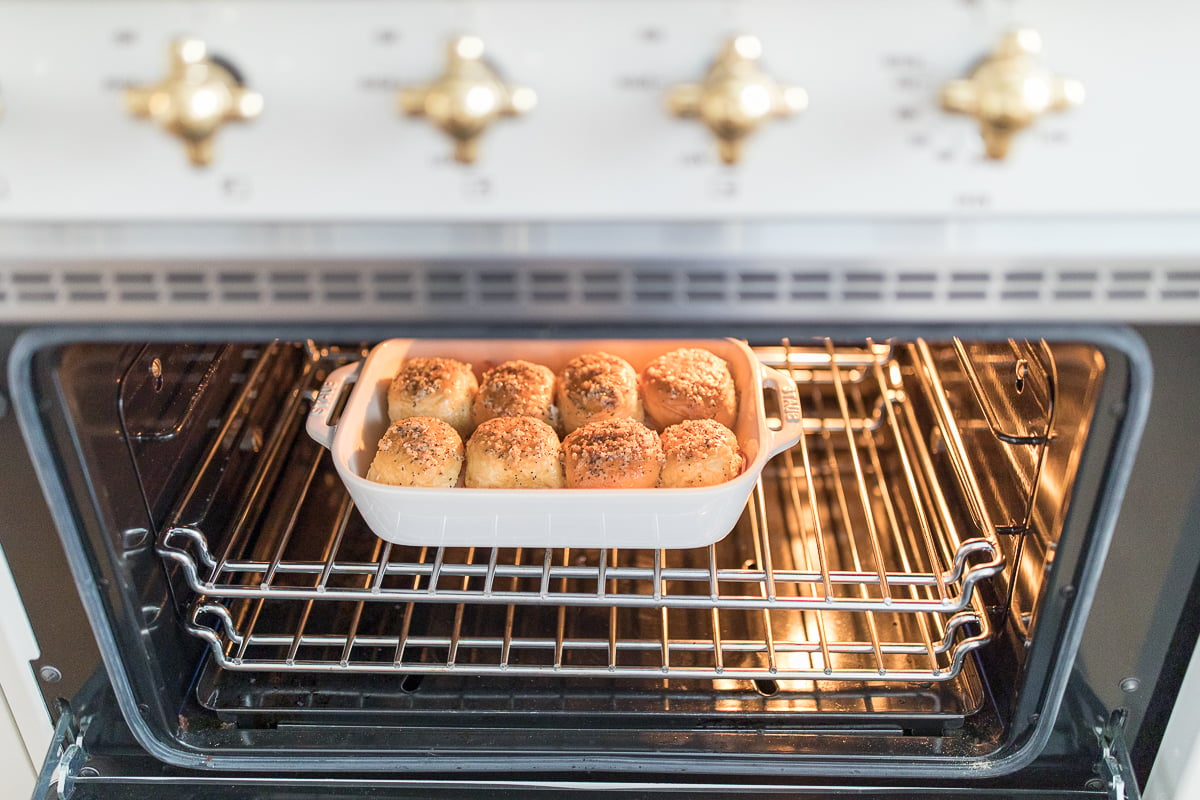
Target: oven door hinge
x,y
66,759
1114,767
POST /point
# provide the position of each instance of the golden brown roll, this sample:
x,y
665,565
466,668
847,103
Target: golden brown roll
x,y
596,387
434,387
615,454
418,451
517,389
514,453
699,452
689,383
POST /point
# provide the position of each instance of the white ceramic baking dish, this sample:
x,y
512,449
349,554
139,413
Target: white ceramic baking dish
x,y
629,518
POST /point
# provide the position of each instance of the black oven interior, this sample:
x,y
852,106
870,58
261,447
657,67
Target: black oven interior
x,y
900,593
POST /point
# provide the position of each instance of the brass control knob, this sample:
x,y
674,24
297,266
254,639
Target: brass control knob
x,y
736,97
1009,90
198,96
467,98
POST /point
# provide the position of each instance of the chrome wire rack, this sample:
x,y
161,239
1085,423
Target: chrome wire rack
x,y
877,508
863,554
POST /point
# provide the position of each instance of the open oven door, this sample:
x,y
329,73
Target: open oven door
x,y
144,612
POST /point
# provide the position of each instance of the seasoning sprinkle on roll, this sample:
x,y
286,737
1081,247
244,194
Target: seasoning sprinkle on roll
x,y
595,387
517,389
514,453
699,452
510,421
614,454
442,388
689,383
418,451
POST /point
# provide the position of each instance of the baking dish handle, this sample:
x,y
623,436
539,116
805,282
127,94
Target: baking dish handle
x,y
327,400
790,415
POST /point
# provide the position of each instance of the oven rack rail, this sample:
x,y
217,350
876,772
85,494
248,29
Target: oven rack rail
x,y
877,537
870,647
554,576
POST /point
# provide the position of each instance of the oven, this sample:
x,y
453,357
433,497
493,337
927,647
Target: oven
x,y
971,574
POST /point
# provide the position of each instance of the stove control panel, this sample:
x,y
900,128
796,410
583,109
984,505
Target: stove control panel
x,y
368,116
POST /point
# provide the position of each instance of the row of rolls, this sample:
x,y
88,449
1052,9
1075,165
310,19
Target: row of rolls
x,y
669,426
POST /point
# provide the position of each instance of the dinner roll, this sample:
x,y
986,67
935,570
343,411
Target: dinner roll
x,y
689,383
418,451
517,389
596,387
699,452
514,453
434,387
614,454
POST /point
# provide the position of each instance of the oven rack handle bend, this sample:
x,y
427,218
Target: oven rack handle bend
x,y
931,647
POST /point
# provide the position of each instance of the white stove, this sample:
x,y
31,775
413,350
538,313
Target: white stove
x,y
930,161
